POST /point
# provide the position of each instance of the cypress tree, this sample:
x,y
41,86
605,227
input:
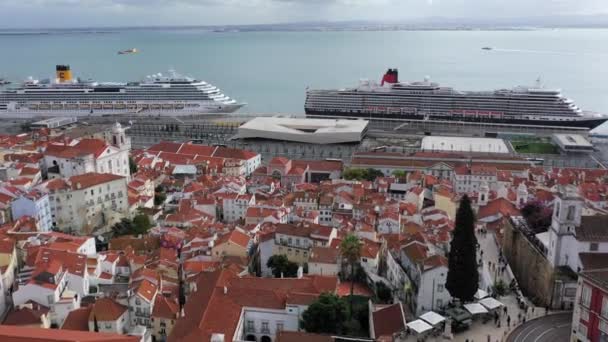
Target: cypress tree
x,y
463,276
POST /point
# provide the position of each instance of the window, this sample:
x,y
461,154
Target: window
x,y
250,326
582,329
605,307
108,325
439,303
280,325
584,315
586,295
571,210
439,287
603,326
265,329
137,301
593,247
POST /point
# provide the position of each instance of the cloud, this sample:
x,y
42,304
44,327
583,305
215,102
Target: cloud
x,y
37,13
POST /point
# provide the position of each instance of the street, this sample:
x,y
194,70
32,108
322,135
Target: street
x,y
551,328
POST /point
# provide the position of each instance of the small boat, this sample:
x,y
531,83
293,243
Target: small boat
x,y
486,48
4,82
126,52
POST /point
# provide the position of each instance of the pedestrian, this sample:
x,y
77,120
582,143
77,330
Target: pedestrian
x,y
504,309
509,321
546,310
524,320
519,317
532,310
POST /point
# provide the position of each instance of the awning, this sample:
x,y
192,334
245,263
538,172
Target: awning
x,y
419,326
481,294
432,318
475,308
490,303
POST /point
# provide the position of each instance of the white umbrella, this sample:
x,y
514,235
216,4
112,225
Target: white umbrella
x,y
490,303
480,294
432,318
475,308
419,326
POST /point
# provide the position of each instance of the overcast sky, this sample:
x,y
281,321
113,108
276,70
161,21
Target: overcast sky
x,y
93,13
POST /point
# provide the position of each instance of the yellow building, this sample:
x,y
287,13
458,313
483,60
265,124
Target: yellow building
x,y
164,315
8,262
447,201
236,243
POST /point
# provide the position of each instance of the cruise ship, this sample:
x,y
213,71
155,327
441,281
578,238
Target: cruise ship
x,y
170,95
426,100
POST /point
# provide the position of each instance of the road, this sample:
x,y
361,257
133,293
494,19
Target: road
x,y
552,328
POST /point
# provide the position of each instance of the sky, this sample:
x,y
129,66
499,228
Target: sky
x,y
100,13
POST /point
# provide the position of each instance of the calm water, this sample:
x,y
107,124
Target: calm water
x,y
271,70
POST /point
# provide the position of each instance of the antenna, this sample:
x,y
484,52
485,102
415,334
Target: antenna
x,y
539,83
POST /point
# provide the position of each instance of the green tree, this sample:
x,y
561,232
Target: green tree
x,y
372,174
463,277
280,265
362,174
350,248
159,198
326,315
400,174
132,166
123,227
141,224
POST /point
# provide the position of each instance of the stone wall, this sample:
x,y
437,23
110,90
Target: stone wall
x,y
530,267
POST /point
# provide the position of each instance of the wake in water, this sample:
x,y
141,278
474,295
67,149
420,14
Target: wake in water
x,y
549,52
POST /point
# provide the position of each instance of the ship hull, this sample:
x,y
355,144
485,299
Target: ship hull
x,y
26,113
589,123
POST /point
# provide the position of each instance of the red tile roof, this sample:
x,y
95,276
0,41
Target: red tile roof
x,y
84,147
27,334
236,237
165,308
77,319
23,316
324,255
106,309
498,206
388,320
216,305
90,179
146,290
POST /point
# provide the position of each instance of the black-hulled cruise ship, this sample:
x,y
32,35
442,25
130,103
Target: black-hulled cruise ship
x,y
428,100
170,95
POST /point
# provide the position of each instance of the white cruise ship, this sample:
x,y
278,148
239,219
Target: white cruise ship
x,y
170,95
426,100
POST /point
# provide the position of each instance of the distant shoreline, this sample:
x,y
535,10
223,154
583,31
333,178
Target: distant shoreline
x,y
272,28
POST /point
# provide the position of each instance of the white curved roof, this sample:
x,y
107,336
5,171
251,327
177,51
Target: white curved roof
x,y
313,131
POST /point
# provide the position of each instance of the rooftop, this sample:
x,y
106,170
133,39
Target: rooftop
x,y
464,144
314,131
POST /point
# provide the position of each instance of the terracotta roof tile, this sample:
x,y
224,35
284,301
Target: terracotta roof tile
x,y
27,334
106,309
388,320
77,319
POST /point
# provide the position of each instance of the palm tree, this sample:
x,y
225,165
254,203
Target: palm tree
x,y
350,248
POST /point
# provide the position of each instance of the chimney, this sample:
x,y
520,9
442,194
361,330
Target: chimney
x,y
182,313
225,290
300,272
